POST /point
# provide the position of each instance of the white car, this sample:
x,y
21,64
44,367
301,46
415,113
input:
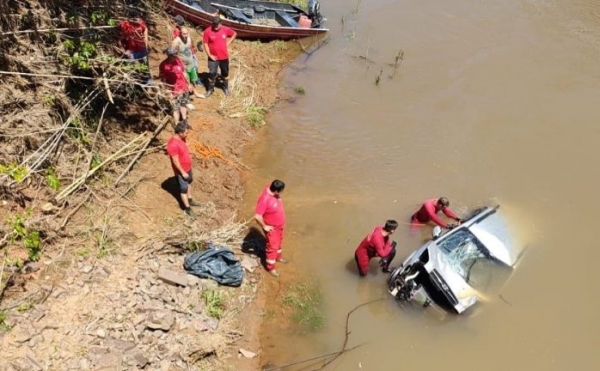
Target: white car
x,y
460,267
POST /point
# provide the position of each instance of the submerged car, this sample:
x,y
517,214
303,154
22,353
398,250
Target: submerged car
x,y
460,267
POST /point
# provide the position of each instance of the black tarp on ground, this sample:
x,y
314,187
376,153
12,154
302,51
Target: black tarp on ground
x,y
217,263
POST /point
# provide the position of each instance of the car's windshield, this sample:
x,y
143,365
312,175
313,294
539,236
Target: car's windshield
x,y
471,260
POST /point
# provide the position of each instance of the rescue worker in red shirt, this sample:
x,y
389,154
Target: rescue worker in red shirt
x,y
172,72
269,213
216,40
181,161
377,243
428,212
134,39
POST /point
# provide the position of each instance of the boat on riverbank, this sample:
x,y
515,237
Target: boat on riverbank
x,y
252,19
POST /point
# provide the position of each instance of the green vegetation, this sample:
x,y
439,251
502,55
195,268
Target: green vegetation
x,y
300,90
52,179
15,171
30,237
24,307
214,303
3,325
256,116
305,302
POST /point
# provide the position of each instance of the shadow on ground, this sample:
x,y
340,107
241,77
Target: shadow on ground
x,y
254,243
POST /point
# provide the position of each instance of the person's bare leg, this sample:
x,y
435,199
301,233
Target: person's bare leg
x,y
183,111
185,201
176,116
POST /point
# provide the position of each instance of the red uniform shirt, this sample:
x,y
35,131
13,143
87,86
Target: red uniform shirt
x,y
374,244
177,147
429,212
271,209
217,41
132,36
172,71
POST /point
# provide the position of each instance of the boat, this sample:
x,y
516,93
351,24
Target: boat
x,y
250,19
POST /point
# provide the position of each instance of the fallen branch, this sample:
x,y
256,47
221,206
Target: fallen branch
x,y
160,127
81,180
66,220
58,30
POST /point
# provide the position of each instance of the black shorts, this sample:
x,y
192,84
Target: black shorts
x,y
221,65
184,183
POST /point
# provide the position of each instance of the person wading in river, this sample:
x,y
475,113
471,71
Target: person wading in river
x,y
270,215
377,243
429,210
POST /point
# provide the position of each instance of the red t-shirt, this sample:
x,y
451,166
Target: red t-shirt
x,y
375,244
176,32
172,72
429,212
177,147
132,36
217,41
271,209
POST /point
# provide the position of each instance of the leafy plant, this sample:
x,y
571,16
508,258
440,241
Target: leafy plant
x,y
305,302
255,115
80,53
300,90
52,179
15,171
214,303
31,238
33,244
24,307
3,325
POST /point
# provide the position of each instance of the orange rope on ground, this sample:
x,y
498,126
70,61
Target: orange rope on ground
x,y
205,152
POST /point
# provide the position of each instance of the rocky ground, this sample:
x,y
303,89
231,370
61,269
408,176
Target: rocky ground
x,y
121,300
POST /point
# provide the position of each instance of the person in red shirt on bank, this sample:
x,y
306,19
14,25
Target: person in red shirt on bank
x,y
270,215
216,40
134,39
377,243
181,161
428,212
172,72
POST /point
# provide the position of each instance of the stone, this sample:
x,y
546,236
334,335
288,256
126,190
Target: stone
x,y
30,267
249,264
22,334
172,277
110,361
165,365
140,359
247,353
160,320
84,364
101,333
87,269
120,345
34,362
193,280
209,285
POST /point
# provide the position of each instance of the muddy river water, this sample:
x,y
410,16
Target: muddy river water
x,y
495,102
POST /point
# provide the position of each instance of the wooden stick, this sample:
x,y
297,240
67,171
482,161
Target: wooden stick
x,y
160,127
108,93
77,183
59,29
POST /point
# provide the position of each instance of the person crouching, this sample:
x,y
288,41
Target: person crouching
x,y
377,243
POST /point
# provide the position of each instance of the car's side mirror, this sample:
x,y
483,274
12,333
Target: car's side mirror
x,y
437,231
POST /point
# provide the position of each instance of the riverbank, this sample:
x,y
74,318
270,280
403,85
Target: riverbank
x,y
102,300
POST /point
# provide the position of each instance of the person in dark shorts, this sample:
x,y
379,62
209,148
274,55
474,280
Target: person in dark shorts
x,y
181,161
216,40
172,72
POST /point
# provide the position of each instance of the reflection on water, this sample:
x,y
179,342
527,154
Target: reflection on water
x,y
494,103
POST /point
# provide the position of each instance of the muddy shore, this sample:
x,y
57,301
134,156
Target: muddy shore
x,y
85,308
